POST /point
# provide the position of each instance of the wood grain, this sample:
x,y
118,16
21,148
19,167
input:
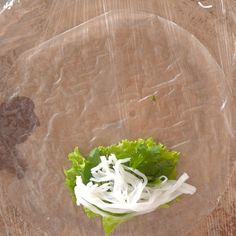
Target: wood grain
x,y
33,22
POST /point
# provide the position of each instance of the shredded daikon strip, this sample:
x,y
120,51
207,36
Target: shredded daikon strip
x,y
204,6
117,188
8,5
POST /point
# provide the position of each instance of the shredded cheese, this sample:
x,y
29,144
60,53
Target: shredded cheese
x,y
204,6
117,188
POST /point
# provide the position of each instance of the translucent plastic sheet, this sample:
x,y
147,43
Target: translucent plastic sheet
x,y
92,85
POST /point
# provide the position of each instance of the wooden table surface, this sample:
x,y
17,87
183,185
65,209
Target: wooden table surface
x,y
30,23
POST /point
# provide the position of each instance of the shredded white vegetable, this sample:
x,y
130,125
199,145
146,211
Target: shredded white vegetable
x,y
116,188
8,5
204,6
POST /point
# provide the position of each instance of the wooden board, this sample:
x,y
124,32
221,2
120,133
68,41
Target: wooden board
x,y
31,23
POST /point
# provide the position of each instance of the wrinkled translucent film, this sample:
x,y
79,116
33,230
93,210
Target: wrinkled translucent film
x,y
94,85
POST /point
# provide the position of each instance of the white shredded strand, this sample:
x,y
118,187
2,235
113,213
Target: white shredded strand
x,y
116,188
8,5
204,6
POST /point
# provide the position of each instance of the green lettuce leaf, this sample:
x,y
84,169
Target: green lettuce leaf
x,y
92,160
77,169
111,222
89,213
152,159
